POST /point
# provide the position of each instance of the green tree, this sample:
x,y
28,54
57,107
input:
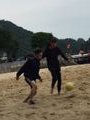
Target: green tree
x,y
7,44
68,45
88,45
81,44
40,39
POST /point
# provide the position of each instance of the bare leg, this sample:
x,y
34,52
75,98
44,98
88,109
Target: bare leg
x,y
33,88
26,100
33,92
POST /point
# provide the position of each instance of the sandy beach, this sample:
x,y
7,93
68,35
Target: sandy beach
x,y
70,105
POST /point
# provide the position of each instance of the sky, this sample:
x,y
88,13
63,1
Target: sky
x,y
62,18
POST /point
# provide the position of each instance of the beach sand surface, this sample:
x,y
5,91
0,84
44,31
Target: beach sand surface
x,y
70,105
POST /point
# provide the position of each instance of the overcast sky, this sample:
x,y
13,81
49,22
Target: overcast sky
x,y
63,18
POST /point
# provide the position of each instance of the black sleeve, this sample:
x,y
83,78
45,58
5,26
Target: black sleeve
x,y
61,53
22,69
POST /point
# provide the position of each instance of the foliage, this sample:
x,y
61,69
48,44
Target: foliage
x,y
18,34
7,44
40,39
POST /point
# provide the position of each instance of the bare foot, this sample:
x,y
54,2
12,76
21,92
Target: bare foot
x,y
31,102
25,101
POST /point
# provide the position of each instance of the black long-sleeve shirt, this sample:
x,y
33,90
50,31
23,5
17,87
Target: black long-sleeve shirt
x,y
30,69
52,57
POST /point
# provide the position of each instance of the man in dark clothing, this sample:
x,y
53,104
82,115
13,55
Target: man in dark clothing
x,y
51,53
31,72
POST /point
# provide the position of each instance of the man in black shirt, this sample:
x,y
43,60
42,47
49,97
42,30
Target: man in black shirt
x,y
31,72
51,53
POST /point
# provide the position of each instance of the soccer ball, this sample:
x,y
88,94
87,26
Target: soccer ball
x,y
69,86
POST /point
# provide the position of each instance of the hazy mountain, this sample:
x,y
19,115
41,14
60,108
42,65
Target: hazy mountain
x,y
22,36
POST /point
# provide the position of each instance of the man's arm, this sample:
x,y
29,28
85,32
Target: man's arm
x,y
61,53
22,69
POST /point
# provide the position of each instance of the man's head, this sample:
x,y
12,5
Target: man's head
x,y
38,53
53,42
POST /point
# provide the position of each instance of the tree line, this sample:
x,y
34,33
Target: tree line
x,y
67,45
40,39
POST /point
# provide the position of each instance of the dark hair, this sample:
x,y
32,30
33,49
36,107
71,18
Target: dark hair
x,y
37,51
53,40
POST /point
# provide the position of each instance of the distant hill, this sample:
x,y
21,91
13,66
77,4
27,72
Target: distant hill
x,y
25,40
22,36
